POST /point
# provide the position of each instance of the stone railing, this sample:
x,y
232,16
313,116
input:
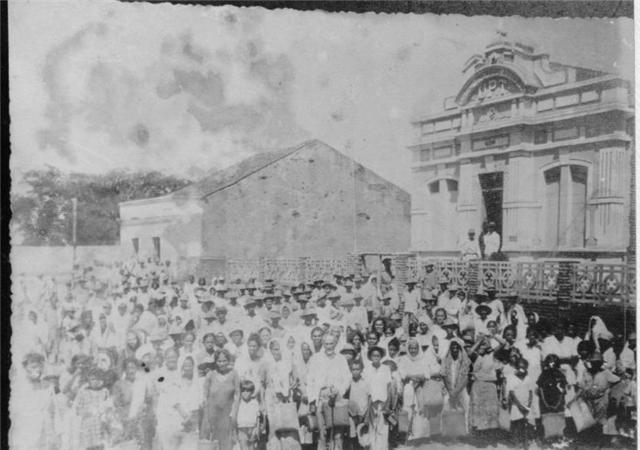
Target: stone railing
x,y
534,280
543,280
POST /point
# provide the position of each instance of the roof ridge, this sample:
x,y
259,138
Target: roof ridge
x,y
282,153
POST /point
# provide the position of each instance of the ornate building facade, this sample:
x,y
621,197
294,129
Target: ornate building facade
x,y
542,149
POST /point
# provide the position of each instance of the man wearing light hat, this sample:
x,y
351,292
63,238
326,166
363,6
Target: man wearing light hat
x,y
234,310
222,323
411,298
251,322
322,309
450,302
206,310
347,305
348,289
207,323
237,347
303,331
220,293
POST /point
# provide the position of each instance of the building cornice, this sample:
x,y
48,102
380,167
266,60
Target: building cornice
x,y
156,219
522,147
541,92
538,119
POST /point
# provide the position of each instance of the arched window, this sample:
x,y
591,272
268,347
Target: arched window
x,y
565,205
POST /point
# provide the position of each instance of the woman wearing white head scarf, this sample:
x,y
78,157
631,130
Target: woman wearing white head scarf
x,y
279,376
597,330
290,346
416,369
301,366
517,317
455,374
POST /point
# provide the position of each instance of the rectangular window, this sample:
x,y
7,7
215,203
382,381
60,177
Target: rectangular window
x,y
491,142
443,125
562,134
442,152
425,155
590,96
540,137
545,104
434,187
567,100
136,244
427,128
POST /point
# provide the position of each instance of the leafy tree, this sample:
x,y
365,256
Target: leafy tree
x,y
44,212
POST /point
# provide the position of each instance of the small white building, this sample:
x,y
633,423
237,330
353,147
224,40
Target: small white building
x,y
168,227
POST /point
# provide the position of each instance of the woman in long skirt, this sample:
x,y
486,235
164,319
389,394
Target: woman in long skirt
x,y
415,371
455,373
484,391
221,393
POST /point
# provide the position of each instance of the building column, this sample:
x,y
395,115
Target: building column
x,y
520,206
564,212
469,198
608,198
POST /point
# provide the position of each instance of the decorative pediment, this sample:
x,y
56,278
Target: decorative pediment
x,y
489,84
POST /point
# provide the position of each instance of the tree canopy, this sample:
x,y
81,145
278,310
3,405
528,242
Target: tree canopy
x,y
44,212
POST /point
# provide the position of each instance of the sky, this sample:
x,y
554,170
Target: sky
x,y
96,86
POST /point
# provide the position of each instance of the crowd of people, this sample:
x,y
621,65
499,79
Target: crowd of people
x,y
126,356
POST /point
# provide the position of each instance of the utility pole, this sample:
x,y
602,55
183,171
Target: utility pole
x,y
74,203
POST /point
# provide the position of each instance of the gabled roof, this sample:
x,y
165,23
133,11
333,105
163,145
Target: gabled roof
x,y
222,179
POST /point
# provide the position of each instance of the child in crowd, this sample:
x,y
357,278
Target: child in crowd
x,y
92,406
248,415
520,391
359,395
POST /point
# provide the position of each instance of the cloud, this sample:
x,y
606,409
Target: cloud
x,y
59,108
222,100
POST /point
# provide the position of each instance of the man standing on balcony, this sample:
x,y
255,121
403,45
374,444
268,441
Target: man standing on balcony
x,y
470,248
491,242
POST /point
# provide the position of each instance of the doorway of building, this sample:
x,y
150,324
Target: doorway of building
x,y
492,190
